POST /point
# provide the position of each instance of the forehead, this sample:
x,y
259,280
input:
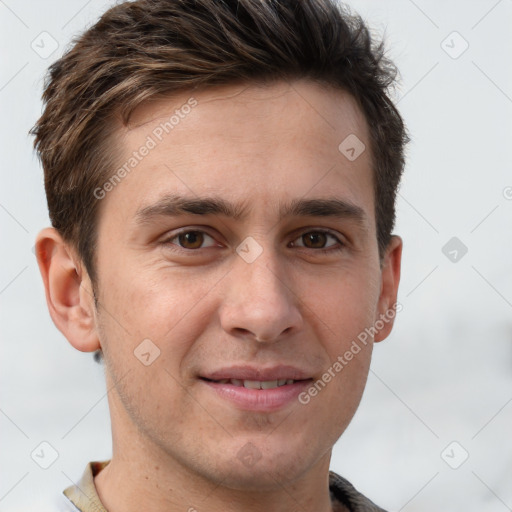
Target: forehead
x,y
262,144
303,95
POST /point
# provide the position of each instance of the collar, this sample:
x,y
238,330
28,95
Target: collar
x,y
83,494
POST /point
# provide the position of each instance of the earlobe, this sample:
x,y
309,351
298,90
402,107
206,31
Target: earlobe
x,y
68,290
390,275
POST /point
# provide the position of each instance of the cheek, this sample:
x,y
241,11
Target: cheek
x,y
342,307
149,325
152,303
170,308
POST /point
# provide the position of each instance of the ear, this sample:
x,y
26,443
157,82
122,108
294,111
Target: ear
x,y
390,278
68,290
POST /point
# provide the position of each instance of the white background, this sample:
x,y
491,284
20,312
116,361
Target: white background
x,y
444,374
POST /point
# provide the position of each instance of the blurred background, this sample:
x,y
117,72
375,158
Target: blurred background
x,y
433,431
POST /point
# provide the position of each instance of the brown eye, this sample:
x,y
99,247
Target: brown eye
x,y
320,240
191,239
314,240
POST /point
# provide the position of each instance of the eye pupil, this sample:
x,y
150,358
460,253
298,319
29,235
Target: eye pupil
x,y
191,239
315,240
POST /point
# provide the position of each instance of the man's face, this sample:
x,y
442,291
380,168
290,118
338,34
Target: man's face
x,y
273,288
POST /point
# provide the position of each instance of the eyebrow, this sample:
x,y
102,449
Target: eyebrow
x,y
334,207
175,205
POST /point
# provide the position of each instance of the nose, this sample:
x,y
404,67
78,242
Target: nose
x,y
260,303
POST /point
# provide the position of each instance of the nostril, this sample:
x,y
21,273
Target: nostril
x,y
240,331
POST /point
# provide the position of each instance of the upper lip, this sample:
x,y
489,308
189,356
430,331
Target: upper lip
x,y
279,372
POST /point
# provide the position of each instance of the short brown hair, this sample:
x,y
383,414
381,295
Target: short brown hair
x,y
142,49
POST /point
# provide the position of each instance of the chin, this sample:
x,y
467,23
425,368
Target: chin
x,y
257,479
257,468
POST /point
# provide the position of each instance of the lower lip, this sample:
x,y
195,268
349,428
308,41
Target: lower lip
x,y
262,400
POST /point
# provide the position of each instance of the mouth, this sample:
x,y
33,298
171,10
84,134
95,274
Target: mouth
x,y
257,389
256,384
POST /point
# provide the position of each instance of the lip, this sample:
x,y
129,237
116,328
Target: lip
x,y
258,400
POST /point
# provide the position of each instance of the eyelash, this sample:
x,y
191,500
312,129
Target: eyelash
x,y
340,246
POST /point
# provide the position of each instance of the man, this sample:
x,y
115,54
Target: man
x,y
221,178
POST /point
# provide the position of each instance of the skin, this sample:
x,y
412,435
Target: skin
x,y
175,441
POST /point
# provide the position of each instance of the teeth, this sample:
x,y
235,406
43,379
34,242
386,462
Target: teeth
x,y
265,384
257,384
252,384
